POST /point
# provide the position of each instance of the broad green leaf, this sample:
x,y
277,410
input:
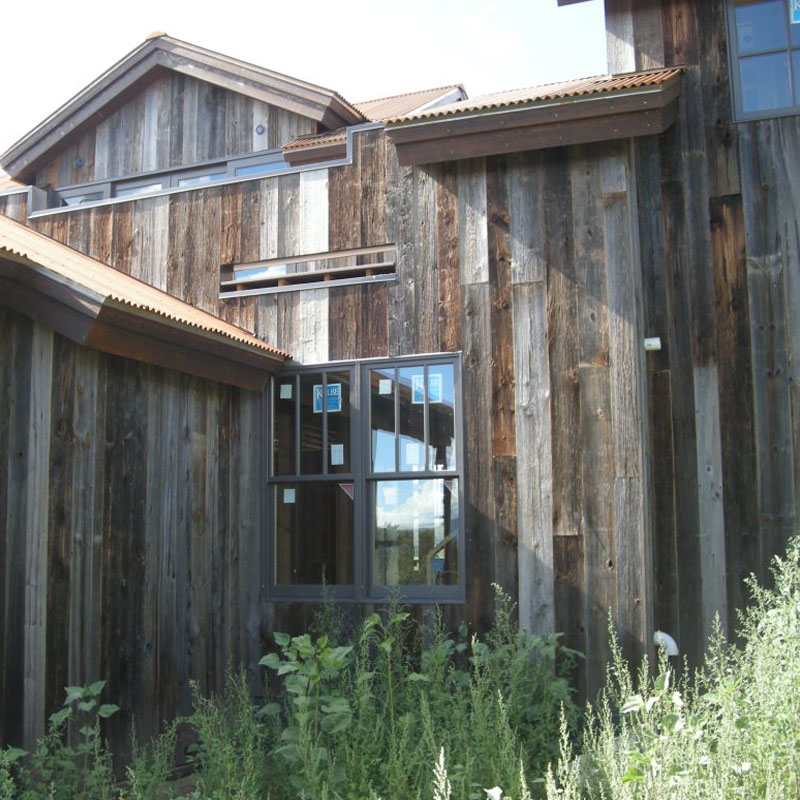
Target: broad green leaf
x,y
106,710
73,693
13,754
96,688
282,639
59,717
336,723
271,660
87,705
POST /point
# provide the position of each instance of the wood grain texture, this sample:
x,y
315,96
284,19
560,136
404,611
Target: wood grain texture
x,y
534,458
175,120
735,392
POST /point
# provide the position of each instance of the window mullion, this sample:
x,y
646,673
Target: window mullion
x,y
297,425
324,422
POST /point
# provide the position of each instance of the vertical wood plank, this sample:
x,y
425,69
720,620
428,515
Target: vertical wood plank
x,y
37,481
472,228
534,458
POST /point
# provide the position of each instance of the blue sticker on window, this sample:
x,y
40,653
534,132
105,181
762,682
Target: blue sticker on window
x,y
333,400
795,9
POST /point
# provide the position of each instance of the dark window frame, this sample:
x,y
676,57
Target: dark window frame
x,y
364,589
736,58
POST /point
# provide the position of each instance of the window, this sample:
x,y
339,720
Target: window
x,y
262,163
764,40
365,489
342,268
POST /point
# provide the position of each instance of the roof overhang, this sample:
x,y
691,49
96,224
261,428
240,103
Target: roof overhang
x,y
554,122
55,287
146,63
315,148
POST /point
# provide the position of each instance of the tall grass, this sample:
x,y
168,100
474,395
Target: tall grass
x,y
388,710
730,731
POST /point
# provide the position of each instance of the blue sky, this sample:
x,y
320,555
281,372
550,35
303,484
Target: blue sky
x,y
361,48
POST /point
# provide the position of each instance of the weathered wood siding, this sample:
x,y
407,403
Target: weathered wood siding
x,y
529,265
129,548
719,228
176,120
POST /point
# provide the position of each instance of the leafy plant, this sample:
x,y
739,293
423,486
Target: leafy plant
x,y
71,761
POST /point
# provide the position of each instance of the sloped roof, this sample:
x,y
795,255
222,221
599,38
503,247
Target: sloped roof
x,y
398,105
563,90
142,65
7,182
603,108
38,273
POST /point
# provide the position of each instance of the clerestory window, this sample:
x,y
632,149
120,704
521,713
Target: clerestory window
x,y
764,38
365,481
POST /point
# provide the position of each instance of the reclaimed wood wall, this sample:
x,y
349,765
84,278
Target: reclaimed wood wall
x,y
129,548
176,120
529,266
719,229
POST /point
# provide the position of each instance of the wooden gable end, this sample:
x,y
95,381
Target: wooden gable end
x,y
176,120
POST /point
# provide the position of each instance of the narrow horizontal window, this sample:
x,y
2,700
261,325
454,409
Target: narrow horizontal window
x,y
197,180
342,267
129,191
80,199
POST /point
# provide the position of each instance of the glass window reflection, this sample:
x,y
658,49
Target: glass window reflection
x,y
416,532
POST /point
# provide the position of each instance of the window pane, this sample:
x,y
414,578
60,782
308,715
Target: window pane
x,y
127,191
197,180
761,26
416,532
441,418
79,199
338,403
382,391
311,424
765,82
283,426
795,31
261,169
314,533
796,74
411,389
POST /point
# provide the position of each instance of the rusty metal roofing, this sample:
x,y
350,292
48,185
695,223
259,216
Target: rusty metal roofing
x,y
7,183
316,140
401,104
564,90
110,284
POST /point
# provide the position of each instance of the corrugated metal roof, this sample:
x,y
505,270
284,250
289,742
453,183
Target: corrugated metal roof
x,y
316,139
401,104
7,182
113,285
602,84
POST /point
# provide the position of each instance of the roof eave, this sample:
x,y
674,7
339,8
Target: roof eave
x,y
538,125
108,325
